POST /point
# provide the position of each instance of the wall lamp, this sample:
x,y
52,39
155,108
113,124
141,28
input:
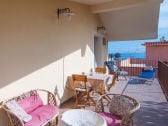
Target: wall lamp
x,y
66,12
101,30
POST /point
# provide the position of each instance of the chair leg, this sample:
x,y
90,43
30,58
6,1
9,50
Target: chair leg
x,y
132,123
78,99
125,77
90,98
87,99
117,77
106,97
56,121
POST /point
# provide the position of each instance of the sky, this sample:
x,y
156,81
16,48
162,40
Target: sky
x,y
129,46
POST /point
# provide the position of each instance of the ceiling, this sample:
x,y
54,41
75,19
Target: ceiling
x,y
127,19
91,2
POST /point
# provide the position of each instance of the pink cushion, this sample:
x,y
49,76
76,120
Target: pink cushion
x,y
112,120
29,104
42,114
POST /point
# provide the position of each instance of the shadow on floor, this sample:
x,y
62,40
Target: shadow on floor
x,y
152,114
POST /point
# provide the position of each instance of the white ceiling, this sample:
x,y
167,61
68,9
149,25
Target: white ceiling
x,y
136,23
91,2
127,19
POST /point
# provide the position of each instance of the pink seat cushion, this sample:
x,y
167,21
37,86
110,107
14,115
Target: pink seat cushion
x,y
112,120
29,104
42,114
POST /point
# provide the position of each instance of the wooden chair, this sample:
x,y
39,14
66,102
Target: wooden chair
x,y
108,87
81,89
100,70
119,111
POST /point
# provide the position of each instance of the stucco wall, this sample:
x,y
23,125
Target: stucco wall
x,y
38,50
157,53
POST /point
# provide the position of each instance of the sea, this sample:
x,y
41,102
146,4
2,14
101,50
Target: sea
x,y
136,55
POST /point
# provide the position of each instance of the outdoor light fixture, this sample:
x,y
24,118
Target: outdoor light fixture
x,y
66,12
101,30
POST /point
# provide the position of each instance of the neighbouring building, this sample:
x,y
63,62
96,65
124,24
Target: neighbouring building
x,y
156,50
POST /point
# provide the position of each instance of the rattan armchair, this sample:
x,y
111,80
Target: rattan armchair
x,y
119,111
48,98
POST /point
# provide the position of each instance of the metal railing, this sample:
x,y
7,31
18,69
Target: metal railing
x,y
163,76
134,66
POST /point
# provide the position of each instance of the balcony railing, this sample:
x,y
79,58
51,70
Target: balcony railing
x,y
163,76
134,66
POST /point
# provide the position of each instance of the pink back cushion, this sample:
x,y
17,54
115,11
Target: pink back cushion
x,y
42,114
29,104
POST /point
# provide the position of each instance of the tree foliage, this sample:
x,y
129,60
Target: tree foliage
x,y
117,55
110,56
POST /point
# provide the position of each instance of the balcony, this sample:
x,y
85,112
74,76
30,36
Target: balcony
x,y
40,47
154,105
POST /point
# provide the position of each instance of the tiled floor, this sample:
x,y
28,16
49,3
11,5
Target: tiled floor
x,y
154,106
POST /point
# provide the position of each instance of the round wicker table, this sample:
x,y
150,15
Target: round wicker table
x,y
81,117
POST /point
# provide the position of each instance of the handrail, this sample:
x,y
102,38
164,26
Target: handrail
x,y
162,76
134,66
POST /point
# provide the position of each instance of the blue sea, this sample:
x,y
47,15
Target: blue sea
x,y
137,55
128,49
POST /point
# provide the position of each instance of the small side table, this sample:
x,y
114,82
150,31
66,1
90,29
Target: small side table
x,y
82,117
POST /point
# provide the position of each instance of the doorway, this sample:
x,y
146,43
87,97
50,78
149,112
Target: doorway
x,y
100,51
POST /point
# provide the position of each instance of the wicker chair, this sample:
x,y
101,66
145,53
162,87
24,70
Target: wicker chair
x,y
15,120
119,111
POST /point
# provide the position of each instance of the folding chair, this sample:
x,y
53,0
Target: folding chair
x,y
81,89
115,70
148,73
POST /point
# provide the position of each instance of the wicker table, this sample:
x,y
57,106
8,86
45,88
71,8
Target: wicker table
x,y
81,117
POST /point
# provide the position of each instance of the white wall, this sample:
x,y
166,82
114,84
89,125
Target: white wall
x,y
38,50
